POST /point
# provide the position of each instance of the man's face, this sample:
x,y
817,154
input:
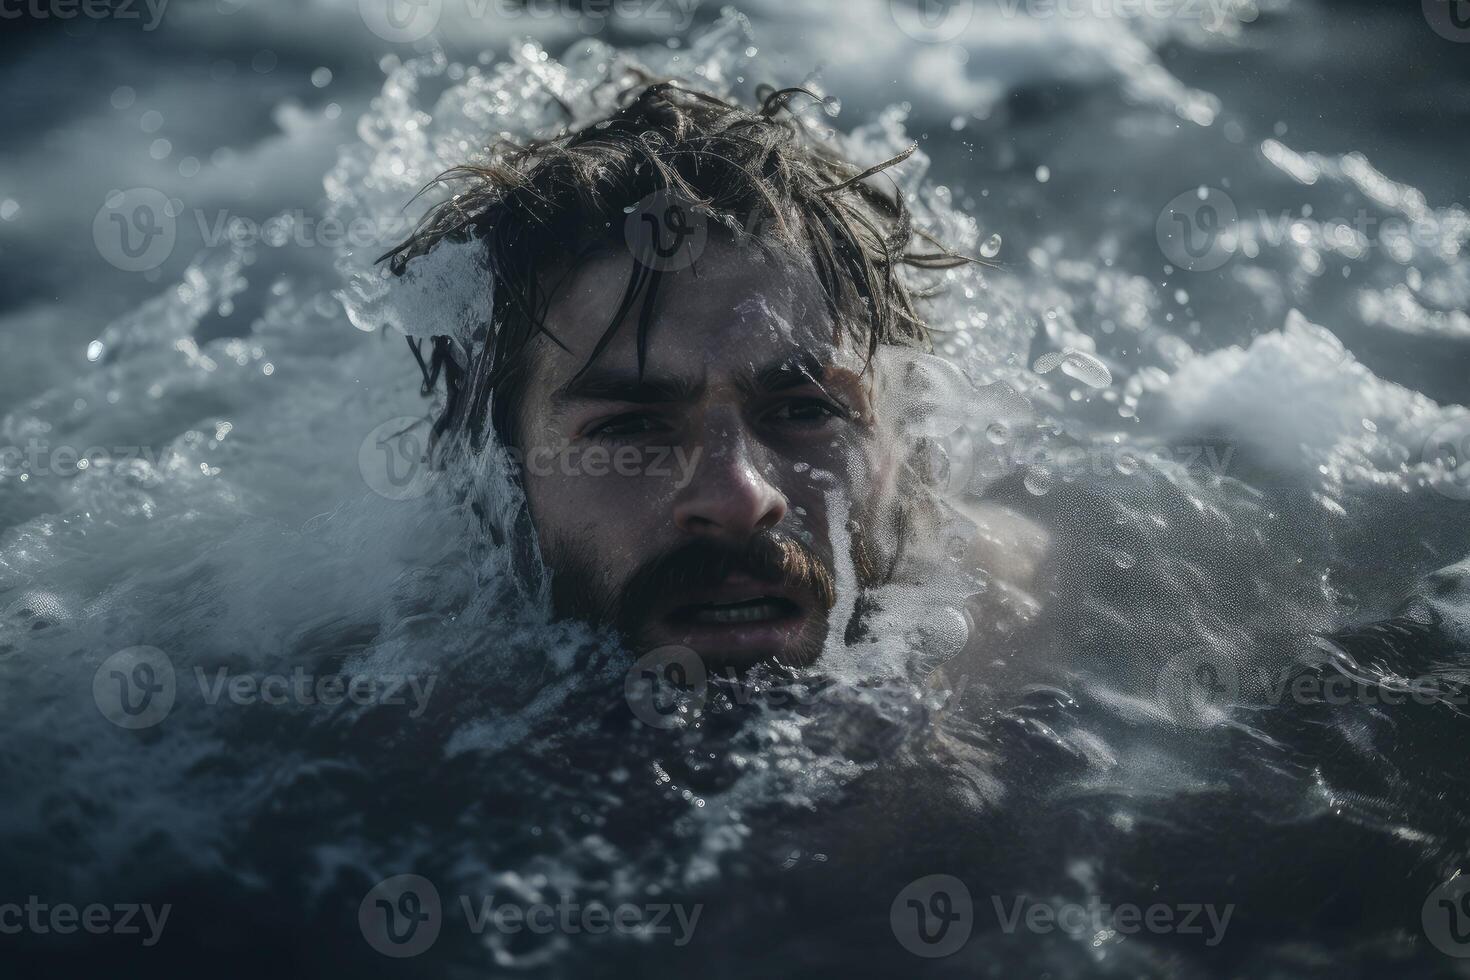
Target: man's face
x,y
724,499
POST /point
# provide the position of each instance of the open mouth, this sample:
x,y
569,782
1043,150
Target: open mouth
x,y
738,620
757,609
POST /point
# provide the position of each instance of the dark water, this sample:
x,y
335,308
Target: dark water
x,y
1235,690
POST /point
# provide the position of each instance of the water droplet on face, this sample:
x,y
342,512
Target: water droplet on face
x,y
990,248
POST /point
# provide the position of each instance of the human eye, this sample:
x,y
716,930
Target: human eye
x,y
629,425
805,412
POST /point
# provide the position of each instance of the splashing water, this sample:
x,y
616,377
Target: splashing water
x,y
1213,475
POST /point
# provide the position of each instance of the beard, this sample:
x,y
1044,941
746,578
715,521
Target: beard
x,y
580,590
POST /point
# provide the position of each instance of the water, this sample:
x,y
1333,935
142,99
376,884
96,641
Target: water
x,y
1230,439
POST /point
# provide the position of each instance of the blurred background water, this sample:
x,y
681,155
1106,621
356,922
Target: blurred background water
x,y
1239,229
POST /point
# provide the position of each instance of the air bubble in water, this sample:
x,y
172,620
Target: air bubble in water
x,y
1037,480
990,248
1076,364
832,105
997,433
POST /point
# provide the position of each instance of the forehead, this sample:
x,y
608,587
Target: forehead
x,y
734,309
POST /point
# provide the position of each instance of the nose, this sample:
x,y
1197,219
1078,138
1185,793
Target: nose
x,y
727,498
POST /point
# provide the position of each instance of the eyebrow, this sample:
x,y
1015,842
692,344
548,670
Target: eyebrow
x,y
626,386
792,371
798,369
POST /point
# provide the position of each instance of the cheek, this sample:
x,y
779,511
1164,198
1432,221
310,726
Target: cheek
x,y
612,515
858,469
846,481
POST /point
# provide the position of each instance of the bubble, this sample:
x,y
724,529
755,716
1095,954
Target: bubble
x,y
990,248
264,61
123,96
1037,481
997,433
9,208
160,149
1043,174
151,121
944,632
321,77
1074,363
832,105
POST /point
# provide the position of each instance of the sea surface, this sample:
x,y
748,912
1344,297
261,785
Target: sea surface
x,y
1224,292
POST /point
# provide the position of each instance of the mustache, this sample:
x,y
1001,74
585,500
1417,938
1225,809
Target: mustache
x,y
769,557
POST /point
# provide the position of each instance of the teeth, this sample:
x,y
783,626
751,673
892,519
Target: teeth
x,y
743,613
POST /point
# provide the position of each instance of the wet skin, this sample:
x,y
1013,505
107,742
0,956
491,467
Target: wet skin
x,y
749,419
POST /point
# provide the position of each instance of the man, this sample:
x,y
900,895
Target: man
x,y
703,353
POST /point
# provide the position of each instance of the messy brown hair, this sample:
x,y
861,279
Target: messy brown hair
x,y
762,172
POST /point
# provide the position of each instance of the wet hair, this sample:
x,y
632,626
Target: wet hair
x,y
550,204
